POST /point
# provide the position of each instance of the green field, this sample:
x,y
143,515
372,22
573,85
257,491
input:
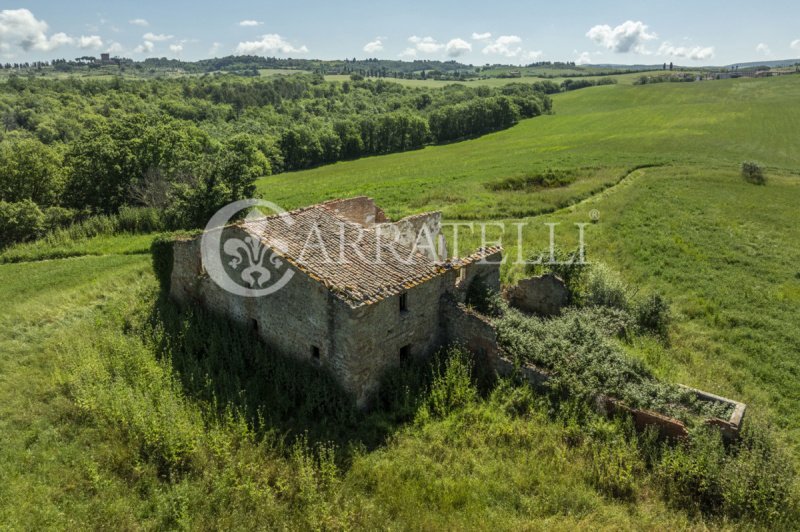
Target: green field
x,y
96,429
622,79
602,132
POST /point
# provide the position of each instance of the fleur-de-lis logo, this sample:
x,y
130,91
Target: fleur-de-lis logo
x,y
253,251
246,256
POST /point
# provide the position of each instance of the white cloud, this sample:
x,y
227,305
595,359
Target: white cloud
x,y
247,23
176,48
156,37
114,48
18,27
426,45
795,45
532,55
584,58
139,22
90,41
629,36
457,47
408,52
763,48
214,49
695,53
270,43
145,48
505,45
373,46
481,36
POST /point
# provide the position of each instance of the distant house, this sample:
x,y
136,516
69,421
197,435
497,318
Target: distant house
x,y
105,58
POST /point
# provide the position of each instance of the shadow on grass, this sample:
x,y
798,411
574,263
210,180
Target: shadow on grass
x,y
223,364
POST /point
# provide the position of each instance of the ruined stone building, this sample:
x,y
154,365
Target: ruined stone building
x,y
341,308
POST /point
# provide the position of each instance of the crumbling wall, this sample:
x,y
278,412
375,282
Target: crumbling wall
x,y
423,231
468,329
361,210
544,295
482,267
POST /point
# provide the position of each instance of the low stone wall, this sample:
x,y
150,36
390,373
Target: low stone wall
x,y
476,333
469,329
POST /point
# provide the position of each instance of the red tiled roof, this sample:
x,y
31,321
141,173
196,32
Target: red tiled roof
x,y
367,268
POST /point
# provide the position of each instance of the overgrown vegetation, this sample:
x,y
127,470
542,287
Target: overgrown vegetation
x,y
548,179
753,172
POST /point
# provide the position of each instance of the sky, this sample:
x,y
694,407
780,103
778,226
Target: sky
x,y
474,32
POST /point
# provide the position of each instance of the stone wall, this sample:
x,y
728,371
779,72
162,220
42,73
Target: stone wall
x,y
361,210
421,230
294,320
356,343
374,338
544,295
468,329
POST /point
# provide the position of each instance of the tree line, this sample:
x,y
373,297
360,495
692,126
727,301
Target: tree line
x,y
73,148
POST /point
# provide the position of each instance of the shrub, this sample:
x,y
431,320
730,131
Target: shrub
x,y
452,387
753,172
58,218
615,460
605,288
653,314
139,220
689,473
752,479
19,222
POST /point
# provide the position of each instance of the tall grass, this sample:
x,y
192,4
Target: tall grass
x,y
88,236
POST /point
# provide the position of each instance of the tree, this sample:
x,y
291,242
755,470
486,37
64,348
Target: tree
x,y
19,221
29,170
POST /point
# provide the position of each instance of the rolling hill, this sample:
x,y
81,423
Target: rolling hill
x,y
96,426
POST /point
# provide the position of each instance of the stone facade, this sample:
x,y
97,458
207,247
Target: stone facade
x,y
354,321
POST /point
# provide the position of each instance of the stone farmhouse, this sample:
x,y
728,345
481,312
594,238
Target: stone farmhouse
x,y
342,309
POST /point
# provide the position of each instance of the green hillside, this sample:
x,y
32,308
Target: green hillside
x,y
726,252
98,426
600,133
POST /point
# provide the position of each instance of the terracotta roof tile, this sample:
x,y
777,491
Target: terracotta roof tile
x,y
356,262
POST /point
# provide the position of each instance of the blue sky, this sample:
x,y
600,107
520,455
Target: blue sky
x,y
699,33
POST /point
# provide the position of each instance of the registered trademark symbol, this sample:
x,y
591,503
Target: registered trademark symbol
x,y
594,214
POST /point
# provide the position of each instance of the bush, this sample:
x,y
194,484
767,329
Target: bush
x,y
58,218
452,387
752,479
753,172
139,220
19,222
653,314
605,288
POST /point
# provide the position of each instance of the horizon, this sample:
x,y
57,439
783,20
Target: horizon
x,y
624,33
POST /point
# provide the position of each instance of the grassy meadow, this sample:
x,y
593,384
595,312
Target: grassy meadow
x,y
600,133
725,251
101,422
